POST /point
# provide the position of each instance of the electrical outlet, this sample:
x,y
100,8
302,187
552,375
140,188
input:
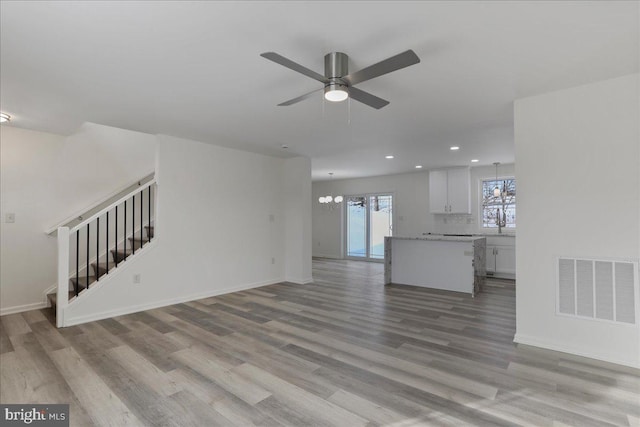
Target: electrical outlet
x,y
136,278
10,218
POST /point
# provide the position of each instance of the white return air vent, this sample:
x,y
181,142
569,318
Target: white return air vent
x,y
598,289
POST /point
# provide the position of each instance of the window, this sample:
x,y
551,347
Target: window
x,y
501,207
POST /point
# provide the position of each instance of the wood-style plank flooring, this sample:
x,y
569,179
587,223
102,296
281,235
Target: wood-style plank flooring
x,y
343,351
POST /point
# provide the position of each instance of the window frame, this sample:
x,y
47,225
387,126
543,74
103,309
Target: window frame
x,y
490,230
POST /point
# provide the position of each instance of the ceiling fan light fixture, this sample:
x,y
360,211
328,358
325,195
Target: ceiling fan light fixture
x,y
335,92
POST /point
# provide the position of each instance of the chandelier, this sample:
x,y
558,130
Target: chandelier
x,y
330,199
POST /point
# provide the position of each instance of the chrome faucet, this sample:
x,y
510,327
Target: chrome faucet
x,y
501,222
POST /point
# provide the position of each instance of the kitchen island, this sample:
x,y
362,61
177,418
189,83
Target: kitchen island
x,y
450,263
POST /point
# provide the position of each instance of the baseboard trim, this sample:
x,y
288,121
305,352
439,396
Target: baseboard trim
x,y
327,256
71,321
536,342
300,281
20,308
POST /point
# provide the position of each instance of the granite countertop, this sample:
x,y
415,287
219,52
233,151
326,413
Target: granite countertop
x,y
441,238
472,234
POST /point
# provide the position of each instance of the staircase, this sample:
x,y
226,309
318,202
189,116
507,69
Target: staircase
x,y
99,269
93,245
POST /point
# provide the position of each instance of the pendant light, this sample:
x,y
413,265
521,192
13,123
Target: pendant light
x,y
496,191
328,199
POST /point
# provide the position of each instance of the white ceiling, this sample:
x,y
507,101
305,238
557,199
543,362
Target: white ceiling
x,y
192,69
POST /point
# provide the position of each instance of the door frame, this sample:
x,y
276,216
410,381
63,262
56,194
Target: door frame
x,y
345,224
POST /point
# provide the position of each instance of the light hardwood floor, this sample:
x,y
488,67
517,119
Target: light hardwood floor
x,y
343,351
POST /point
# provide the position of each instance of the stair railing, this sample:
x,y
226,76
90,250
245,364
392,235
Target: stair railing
x,y
108,229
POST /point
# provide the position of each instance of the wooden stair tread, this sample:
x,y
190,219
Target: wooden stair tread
x,y
100,268
53,298
120,255
127,252
103,265
82,281
137,242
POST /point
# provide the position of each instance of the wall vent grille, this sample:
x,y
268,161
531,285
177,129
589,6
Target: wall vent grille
x,y
598,289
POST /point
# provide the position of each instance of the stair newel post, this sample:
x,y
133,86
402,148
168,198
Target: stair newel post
x,y
115,255
133,224
149,212
97,247
106,252
87,264
77,283
141,219
124,239
63,275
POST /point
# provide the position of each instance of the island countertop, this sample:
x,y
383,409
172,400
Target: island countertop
x,y
453,263
435,237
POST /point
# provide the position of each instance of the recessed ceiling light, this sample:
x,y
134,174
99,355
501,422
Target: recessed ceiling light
x,y
4,118
418,166
388,157
454,148
285,146
475,161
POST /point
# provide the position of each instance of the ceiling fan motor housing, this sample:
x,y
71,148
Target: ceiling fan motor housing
x,y
336,65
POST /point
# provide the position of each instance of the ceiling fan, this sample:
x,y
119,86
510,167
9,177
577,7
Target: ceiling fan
x,y
338,83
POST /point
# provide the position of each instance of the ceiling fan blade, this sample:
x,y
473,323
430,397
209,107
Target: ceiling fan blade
x,y
298,99
367,98
279,59
394,63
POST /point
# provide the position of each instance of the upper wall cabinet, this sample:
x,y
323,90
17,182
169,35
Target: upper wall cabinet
x,y
449,191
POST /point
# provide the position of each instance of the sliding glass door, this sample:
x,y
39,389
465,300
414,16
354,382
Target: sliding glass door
x,y
369,218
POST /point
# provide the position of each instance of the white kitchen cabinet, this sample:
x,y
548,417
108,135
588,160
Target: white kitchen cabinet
x,y
450,191
438,200
501,257
506,260
490,256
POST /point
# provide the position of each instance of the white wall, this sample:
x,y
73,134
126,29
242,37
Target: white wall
x,y
411,204
214,229
297,214
577,156
45,179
